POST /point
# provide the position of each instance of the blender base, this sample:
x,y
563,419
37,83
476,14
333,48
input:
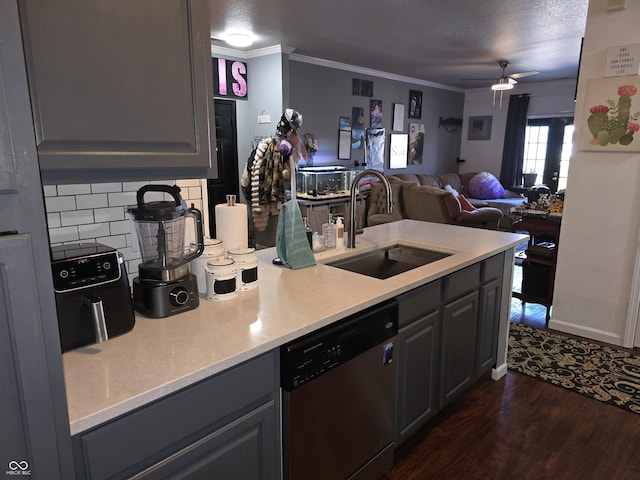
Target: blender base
x,y
159,300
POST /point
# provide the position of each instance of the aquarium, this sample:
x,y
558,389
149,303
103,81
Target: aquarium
x,y
324,182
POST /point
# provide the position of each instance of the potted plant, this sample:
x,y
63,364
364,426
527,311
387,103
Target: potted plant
x,y
529,178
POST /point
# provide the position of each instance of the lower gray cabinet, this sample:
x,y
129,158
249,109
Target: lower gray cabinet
x,y
489,314
459,328
223,427
447,338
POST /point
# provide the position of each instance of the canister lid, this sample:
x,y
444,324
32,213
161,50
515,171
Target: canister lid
x,y
221,262
241,251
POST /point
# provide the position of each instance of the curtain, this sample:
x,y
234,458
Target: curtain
x,y
513,152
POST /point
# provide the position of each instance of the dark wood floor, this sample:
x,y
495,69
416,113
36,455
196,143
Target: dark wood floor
x,y
522,428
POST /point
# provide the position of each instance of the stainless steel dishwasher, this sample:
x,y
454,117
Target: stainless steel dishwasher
x,y
338,388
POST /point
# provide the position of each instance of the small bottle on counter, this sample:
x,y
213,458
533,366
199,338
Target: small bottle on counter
x,y
329,232
308,231
339,232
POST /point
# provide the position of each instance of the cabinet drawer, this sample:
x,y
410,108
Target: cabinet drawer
x,y
418,302
461,282
155,431
492,268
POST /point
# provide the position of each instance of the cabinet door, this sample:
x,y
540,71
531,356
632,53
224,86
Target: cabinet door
x,y
488,321
459,324
417,375
243,450
119,85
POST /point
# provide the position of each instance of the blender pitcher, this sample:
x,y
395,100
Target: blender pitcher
x,y
160,228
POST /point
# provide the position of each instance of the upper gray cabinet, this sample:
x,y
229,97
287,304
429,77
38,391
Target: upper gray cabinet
x,y
120,85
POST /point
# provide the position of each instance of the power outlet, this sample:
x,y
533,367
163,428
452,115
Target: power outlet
x,y
264,118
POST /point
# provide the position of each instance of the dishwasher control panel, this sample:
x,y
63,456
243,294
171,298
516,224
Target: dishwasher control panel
x,y
312,355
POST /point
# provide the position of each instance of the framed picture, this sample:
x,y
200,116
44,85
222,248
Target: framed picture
x,y
611,115
357,128
415,104
398,150
480,128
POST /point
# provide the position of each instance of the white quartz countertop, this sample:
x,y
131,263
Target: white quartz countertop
x,y
161,356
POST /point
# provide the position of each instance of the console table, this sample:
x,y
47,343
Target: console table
x,y
539,265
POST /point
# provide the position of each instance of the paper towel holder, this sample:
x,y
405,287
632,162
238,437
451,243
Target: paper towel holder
x,y
231,200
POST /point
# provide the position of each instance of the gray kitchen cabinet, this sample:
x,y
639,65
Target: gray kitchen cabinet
x,y
459,327
223,427
489,314
34,436
417,359
120,86
447,338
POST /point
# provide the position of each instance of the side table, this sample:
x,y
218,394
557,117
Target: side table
x,y
539,266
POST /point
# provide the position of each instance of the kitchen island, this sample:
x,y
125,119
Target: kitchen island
x,y
162,356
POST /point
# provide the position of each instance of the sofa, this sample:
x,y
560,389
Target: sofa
x,y
424,197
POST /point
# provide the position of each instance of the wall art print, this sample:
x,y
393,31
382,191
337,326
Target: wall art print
x,y
374,151
612,115
415,104
375,113
416,143
362,88
357,128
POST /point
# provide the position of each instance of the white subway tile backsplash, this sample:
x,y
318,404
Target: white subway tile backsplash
x,y
93,230
106,187
63,234
110,214
49,190
120,228
97,200
135,186
60,204
97,212
75,189
53,220
115,241
122,199
76,217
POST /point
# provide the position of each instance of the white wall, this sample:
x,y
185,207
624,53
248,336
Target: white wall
x,y
599,235
548,99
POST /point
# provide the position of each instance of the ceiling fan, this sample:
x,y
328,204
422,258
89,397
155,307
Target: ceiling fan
x,y
506,82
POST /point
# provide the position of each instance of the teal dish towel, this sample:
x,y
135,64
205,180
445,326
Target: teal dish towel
x,y
291,239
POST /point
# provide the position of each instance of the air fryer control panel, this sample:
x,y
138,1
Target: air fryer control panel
x,y
76,267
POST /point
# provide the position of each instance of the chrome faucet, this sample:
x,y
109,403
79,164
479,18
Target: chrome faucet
x,y
351,234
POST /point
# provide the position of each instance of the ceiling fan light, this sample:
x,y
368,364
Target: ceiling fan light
x,y
502,84
238,39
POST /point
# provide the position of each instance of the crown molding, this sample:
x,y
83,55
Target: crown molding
x,y
367,71
259,52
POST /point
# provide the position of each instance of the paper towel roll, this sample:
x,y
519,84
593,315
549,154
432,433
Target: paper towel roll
x,y
232,226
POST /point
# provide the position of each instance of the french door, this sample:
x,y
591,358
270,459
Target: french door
x,y
547,149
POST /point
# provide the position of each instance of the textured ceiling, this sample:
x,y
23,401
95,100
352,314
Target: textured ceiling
x,y
452,42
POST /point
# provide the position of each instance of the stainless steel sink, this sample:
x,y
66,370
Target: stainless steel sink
x,y
390,261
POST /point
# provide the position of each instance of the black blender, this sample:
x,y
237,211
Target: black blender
x,y
165,285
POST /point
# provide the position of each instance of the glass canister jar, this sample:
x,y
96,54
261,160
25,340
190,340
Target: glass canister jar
x,y
221,279
247,267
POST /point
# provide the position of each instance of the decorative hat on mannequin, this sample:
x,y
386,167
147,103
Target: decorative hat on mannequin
x,y
287,131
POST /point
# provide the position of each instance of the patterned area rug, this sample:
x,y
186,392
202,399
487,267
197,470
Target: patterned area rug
x,y
606,374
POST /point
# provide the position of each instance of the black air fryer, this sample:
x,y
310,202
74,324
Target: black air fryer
x,y
93,298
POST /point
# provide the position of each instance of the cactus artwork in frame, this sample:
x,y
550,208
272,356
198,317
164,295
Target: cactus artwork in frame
x,y
611,115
